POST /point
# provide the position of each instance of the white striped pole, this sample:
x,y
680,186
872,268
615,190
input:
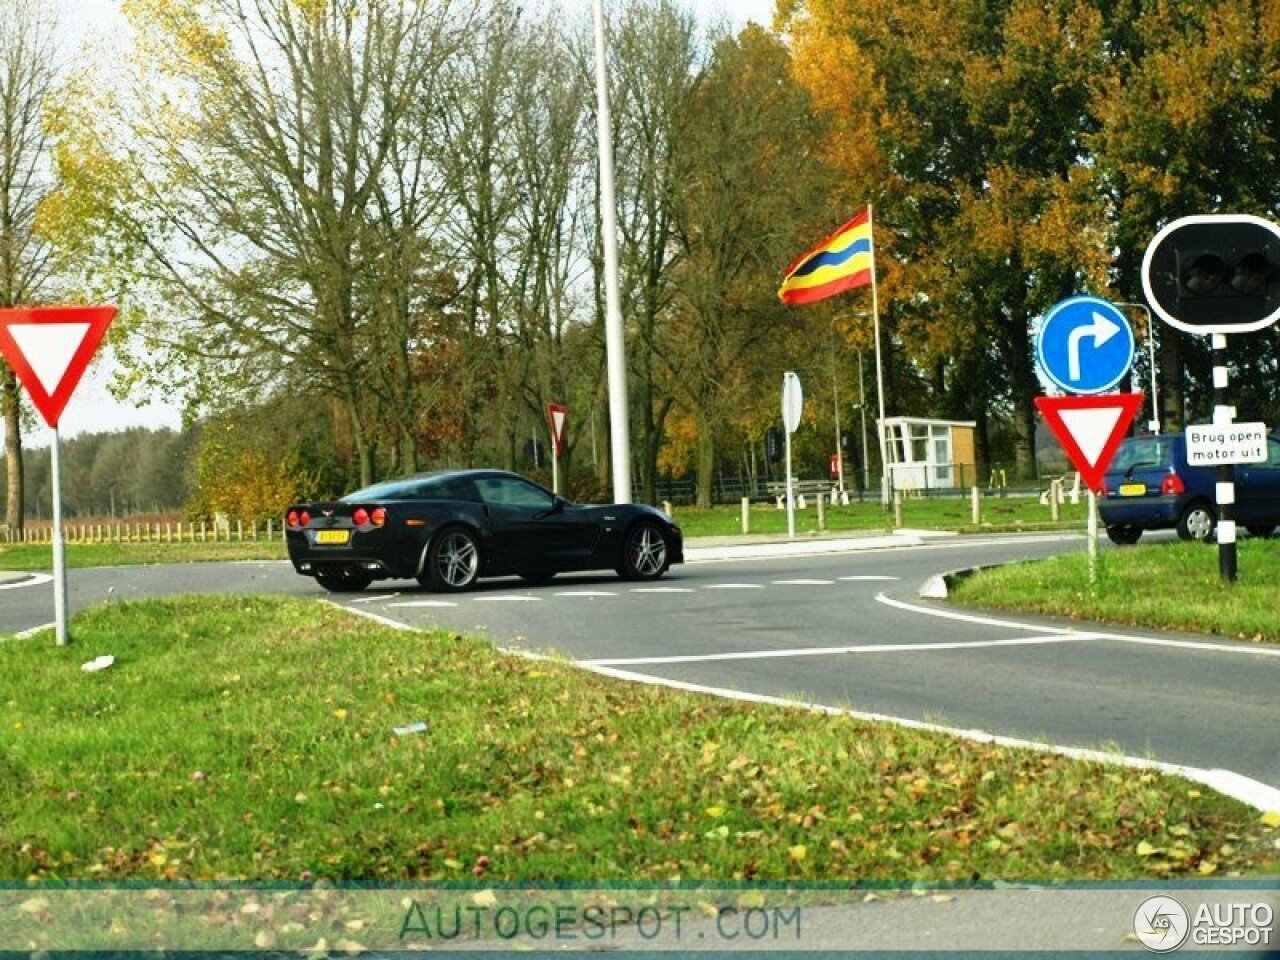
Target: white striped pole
x,y
1224,416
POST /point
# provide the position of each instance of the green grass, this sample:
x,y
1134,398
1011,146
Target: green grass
x,y
252,738
1012,513
40,556
1167,585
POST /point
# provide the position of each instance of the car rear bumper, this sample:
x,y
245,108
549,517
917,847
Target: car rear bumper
x,y
1149,513
379,562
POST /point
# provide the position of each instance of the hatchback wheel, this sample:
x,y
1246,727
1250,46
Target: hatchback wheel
x,y
644,553
1126,533
453,563
1197,522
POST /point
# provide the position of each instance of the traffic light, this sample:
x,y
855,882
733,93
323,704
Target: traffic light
x,y
1215,274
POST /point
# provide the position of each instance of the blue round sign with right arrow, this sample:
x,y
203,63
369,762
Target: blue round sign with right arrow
x,y
1085,345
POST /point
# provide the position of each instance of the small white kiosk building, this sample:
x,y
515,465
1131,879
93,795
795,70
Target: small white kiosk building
x,y
929,455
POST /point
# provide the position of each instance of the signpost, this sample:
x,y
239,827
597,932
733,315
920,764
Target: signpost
x,y
792,408
556,416
1213,275
49,349
1085,347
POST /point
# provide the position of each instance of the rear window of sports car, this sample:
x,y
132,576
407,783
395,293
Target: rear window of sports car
x,y
437,488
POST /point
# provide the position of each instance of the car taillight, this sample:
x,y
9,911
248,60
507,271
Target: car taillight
x,y
292,518
379,516
304,518
360,517
1172,485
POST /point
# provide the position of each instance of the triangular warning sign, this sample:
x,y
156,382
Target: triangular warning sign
x,y
1090,429
49,348
556,415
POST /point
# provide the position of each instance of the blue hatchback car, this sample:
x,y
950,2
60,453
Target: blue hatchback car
x,y
1150,486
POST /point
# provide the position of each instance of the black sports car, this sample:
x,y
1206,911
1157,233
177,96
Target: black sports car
x,y
449,529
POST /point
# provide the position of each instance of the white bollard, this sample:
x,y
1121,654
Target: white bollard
x,y
746,515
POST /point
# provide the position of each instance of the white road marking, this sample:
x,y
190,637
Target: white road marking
x,y
586,593
965,617
1256,794
508,599
1260,651
385,621
830,651
33,580
661,590
376,597
1013,539
733,586
803,583
423,603
867,579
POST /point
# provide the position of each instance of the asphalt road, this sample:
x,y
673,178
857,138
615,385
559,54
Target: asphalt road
x,y
844,630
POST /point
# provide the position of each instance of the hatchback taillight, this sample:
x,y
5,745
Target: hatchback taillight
x,y
1172,485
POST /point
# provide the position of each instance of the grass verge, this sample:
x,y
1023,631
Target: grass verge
x,y
998,514
40,556
1167,585
252,738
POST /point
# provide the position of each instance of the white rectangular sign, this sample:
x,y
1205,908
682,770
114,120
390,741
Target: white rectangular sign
x,y
1213,445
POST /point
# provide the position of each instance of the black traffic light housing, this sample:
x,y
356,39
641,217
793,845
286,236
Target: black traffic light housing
x,y
773,441
1215,274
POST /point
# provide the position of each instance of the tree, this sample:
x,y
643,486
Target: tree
x,y
27,78
749,182
257,139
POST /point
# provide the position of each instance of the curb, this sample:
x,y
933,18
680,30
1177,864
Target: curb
x,y
940,585
9,578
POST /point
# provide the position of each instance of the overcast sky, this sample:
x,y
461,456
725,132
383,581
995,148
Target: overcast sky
x,y
98,25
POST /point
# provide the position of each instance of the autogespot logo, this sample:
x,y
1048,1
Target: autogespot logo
x,y
1161,924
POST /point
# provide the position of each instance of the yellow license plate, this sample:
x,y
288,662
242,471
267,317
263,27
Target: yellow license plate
x,y
331,537
1133,489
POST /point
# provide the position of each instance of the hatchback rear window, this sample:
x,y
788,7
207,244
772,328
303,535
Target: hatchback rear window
x,y
1144,452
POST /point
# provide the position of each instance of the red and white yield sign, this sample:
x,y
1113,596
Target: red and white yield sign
x,y
49,348
556,416
1090,429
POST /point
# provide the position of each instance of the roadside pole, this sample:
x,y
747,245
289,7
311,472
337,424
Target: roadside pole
x,y
1224,416
555,471
792,408
59,558
1093,540
791,497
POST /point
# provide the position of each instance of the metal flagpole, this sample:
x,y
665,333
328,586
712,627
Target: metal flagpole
x,y
615,343
59,560
875,313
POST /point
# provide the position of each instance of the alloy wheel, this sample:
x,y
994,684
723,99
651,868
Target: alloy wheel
x,y
457,560
647,552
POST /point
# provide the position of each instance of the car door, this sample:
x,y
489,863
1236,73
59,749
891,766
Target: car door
x,y
527,524
1258,489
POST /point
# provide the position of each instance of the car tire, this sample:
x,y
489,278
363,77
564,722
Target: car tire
x,y
453,561
1124,534
1197,522
344,579
1263,530
645,552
